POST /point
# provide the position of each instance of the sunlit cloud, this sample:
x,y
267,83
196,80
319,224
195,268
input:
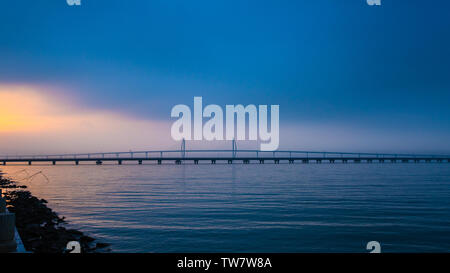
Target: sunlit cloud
x,y
38,121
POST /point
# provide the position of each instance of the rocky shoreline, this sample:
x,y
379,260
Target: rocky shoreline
x,y
40,228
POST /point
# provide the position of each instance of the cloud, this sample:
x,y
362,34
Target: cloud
x,y
34,120
43,120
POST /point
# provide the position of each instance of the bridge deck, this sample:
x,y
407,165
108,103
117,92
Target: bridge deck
x,y
230,156
214,159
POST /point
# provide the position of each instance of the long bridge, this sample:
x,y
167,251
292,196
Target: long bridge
x,y
226,156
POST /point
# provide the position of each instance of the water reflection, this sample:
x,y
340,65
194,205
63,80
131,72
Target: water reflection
x,y
251,208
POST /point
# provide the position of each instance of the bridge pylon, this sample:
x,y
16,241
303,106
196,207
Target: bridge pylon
x,y
183,148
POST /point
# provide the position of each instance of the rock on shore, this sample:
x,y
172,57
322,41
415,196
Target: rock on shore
x,y
40,228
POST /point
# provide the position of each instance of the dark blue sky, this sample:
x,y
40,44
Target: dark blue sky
x,y
323,61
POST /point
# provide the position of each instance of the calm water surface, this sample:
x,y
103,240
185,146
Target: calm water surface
x,y
251,208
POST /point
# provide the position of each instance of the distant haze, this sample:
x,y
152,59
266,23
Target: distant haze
x,y
32,121
104,76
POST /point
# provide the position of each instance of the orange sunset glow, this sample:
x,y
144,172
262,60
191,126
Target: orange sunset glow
x,y
23,109
33,120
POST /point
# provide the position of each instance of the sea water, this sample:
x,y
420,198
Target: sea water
x,y
251,207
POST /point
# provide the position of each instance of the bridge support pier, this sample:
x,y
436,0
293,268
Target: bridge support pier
x,y
322,157
4,162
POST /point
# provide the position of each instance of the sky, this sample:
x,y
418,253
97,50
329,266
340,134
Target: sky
x,y
105,75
